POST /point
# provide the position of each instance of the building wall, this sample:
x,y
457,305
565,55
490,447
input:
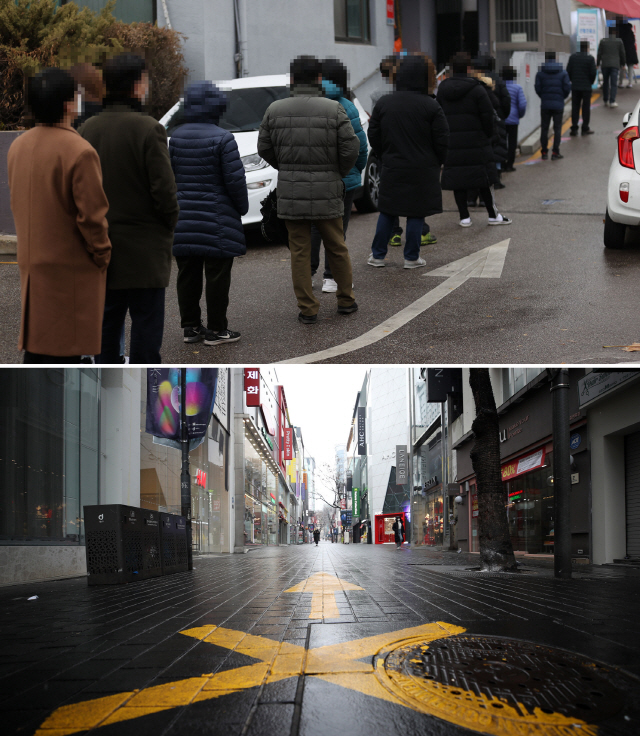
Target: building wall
x,y
34,564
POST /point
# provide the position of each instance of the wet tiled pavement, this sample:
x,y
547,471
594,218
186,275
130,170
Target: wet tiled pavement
x,y
228,650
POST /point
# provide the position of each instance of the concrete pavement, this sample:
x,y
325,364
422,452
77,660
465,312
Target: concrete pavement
x,y
561,296
303,641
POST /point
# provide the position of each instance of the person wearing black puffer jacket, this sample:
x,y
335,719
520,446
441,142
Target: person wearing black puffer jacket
x,y
470,160
582,72
212,194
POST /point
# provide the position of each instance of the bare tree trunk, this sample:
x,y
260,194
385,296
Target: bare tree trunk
x,y
496,550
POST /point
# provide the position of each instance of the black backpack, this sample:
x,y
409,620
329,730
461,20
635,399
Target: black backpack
x,y
274,230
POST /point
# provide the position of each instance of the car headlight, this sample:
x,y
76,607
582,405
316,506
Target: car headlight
x,y
253,162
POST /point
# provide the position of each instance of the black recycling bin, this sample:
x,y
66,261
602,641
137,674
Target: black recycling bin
x,y
122,544
173,543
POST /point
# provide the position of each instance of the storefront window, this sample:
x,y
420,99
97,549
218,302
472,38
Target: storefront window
x,y
261,514
428,502
49,459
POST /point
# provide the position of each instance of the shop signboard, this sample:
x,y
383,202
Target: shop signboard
x,y
401,465
594,385
362,430
221,404
522,465
252,386
391,13
288,443
355,502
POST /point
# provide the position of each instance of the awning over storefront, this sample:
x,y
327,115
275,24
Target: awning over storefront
x,y
630,8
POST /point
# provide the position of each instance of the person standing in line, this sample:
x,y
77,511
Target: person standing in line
x,y
212,194
59,208
89,79
310,141
398,532
335,86
611,56
552,86
470,160
582,72
143,210
518,109
628,38
409,135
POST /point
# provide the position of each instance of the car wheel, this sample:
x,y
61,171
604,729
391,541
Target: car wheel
x,y
369,200
614,233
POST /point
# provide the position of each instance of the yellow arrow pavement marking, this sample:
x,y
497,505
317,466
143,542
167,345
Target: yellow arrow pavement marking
x,y
338,664
324,587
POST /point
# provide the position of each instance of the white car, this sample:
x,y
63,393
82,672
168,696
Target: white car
x,y
248,100
623,191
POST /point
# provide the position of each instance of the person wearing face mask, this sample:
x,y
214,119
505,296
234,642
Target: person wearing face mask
x,y
59,208
143,210
89,80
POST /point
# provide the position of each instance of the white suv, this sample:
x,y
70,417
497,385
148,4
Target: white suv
x,y
623,191
248,100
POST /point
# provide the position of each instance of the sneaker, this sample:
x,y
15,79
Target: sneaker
x,y
329,285
418,263
544,156
194,334
348,310
613,104
220,338
466,222
500,220
307,319
605,103
499,185
376,262
396,240
428,239
588,132
556,156
573,133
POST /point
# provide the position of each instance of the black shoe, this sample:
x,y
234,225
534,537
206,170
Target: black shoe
x,y
348,310
509,169
544,156
481,203
220,338
499,185
307,319
588,132
556,156
573,133
194,334
472,203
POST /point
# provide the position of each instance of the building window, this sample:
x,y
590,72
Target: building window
x,y
351,20
517,378
516,21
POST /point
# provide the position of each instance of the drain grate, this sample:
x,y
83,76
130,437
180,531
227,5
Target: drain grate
x,y
501,686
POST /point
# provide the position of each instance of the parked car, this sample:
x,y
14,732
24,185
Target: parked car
x,y
249,98
623,191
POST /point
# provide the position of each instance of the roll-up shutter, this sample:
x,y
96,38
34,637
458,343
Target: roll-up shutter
x,y
632,492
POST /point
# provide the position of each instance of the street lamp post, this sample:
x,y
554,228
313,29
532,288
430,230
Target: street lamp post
x,y
185,477
561,474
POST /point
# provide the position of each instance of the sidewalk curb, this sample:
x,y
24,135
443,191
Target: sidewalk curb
x,y
8,245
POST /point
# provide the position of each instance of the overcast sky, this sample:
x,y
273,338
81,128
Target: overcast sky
x,y
321,400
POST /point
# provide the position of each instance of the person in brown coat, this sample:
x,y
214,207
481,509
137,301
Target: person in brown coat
x,y
59,208
143,210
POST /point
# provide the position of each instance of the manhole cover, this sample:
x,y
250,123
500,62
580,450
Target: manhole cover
x,y
504,686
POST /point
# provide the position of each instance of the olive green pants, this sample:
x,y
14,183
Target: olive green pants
x,y
337,253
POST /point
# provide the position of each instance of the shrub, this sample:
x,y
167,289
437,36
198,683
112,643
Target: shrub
x,y
36,33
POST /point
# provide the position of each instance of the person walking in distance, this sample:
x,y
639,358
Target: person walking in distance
x,y
611,56
398,532
582,72
335,86
212,193
518,109
311,142
628,38
316,536
552,86
143,210
59,208
470,160
409,136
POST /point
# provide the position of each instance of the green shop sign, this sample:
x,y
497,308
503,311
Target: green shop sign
x,y
267,438
355,502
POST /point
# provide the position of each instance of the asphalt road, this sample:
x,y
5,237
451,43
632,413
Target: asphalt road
x,y
560,298
307,641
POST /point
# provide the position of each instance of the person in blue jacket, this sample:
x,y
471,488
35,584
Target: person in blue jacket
x,y
552,87
212,194
518,109
335,85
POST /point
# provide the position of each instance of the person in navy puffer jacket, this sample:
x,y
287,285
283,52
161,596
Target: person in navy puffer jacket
x,y
212,194
335,86
518,109
552,87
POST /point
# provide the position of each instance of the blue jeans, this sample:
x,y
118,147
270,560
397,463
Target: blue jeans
x,y
609,83
397,230
384,230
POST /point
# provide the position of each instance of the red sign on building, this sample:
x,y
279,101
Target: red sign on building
x,y
201,478
288,443
390,13
252,386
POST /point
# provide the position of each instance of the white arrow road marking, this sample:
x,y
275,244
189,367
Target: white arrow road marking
x,y
486,263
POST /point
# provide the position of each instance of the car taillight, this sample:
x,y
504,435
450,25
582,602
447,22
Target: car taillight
x,y
624,191
625,146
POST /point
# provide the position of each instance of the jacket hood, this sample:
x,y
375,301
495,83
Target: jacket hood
x,y
455,88
552,67
204,103
332,90
413,75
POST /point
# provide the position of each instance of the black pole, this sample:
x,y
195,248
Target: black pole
x,y
185,477
561,474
